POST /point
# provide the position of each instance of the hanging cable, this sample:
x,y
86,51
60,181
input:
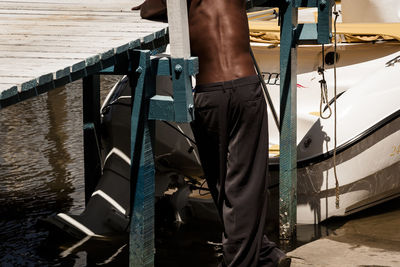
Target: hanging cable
x,y
181,132
265,91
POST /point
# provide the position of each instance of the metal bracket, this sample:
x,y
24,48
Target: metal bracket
x,y
320,32
179,107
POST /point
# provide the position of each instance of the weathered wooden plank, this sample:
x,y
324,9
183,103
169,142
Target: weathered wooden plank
x,y
44,54
44,63
67,12
126,22
113,5
20,32
69,1
128,17
25,48
78,41
70,6
43,69
96,46
118,23
72,32
35,30
63,41
12,80
99,25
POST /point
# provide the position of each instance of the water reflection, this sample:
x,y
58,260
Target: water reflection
x,y
41,173
57,154
35,181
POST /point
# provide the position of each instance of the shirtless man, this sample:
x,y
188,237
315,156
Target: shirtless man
x,y
231,130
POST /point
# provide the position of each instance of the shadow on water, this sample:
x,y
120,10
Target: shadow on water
x,y
194,243
41,174
376,226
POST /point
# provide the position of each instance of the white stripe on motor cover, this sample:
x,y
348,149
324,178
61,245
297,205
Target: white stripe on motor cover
x,y
110,259
119,153
111,93
68,251
110,200
77,224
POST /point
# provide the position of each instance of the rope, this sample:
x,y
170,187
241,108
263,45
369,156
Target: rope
x,y
337,191
324,89
324,99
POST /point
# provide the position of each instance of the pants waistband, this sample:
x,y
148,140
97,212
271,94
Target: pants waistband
x,y
227,84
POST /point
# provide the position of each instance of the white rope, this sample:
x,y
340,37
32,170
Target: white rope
x,y
337,191
324,99
324,89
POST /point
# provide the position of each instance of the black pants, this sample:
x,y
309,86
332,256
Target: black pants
x,y
231,131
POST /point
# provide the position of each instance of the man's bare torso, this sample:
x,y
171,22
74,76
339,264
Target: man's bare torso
x,y
219,37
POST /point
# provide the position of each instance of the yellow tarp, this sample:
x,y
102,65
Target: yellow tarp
x,y
269,32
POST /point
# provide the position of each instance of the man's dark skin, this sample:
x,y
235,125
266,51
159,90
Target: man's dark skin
x,y
219,37
233,148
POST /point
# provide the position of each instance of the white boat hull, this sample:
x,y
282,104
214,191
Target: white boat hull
x,y
368,127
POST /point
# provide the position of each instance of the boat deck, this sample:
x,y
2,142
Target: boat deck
x,y
48,43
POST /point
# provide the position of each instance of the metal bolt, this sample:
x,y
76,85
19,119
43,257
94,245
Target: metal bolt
x,y
178,68
307,142
191,111
139,70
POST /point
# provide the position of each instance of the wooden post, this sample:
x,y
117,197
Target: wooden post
x,y
288,119
180,53
91,134
178,28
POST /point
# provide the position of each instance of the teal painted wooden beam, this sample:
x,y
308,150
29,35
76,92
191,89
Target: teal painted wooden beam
x,y
325,21
288,119
162,108
291,35
141,245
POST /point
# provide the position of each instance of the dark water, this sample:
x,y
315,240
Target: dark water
x,y
40,170
41,174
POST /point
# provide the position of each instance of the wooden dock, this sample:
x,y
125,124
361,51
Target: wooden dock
x,y
49,43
